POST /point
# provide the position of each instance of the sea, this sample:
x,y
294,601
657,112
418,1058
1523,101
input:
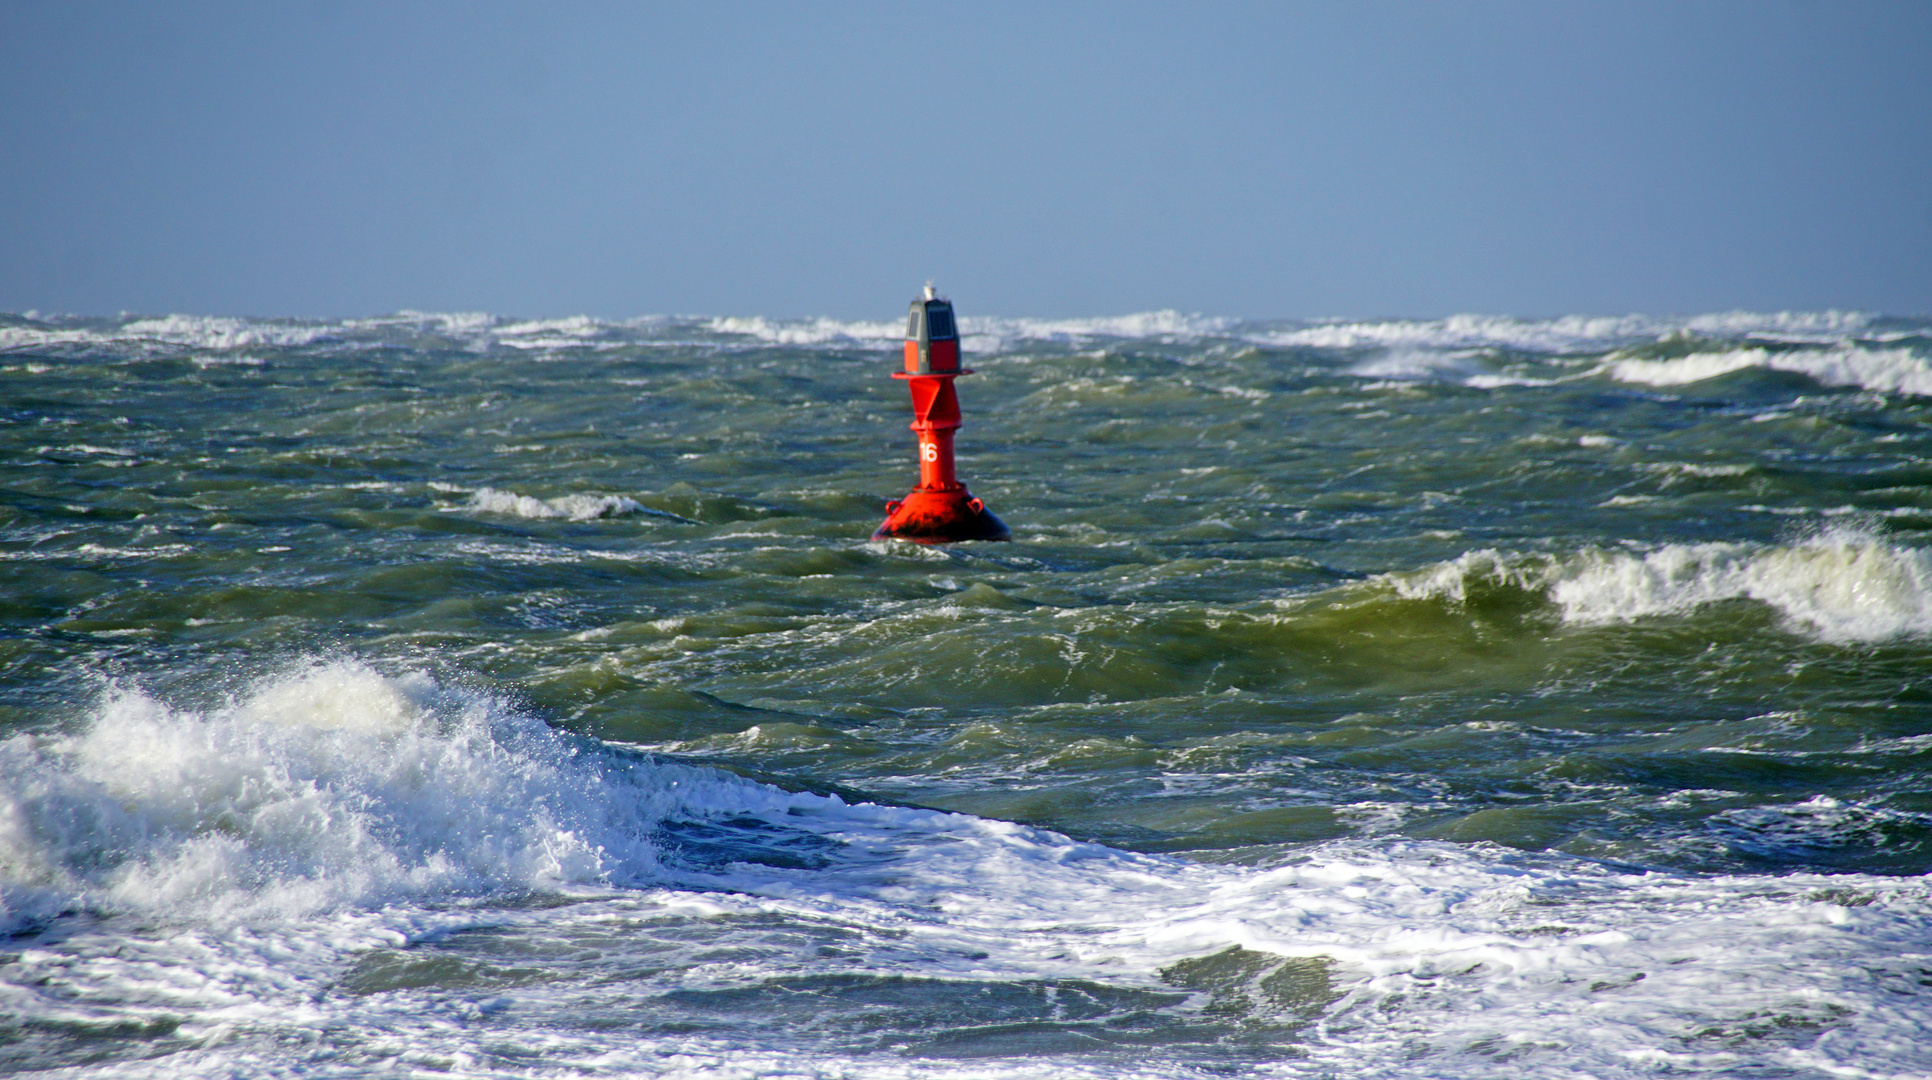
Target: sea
x,y
459,695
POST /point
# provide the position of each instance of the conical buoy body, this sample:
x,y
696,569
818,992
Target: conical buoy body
x,y
940,510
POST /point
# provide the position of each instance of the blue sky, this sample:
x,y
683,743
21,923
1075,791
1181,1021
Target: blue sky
x,y
789,159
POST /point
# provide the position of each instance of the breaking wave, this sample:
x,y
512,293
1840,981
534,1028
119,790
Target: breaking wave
x,y
325,786
577,507
810,331
190,331
1567,334
1897,370
334,788
1841,586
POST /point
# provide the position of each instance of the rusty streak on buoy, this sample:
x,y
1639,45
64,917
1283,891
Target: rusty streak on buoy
x,y
940,510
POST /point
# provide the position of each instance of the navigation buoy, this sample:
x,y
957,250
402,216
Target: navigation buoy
x,y
940,510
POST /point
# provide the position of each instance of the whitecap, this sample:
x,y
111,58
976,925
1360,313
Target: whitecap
x,y
575,332
1782,325
328,785
448,322
209,332
323,788
994,333
1899,370
1568,334
1563,334
819,331
336,809
190,331
1841,585
575,507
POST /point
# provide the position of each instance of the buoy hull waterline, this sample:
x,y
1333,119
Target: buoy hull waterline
x,y
940,517
940,510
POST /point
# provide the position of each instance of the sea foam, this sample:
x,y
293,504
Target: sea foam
x,y
333,792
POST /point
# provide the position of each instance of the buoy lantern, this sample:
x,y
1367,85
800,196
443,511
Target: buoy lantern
x,y
940,510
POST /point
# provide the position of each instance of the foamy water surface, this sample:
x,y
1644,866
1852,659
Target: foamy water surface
x,y
458,694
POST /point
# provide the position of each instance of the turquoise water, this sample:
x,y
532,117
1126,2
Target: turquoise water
x,y
461,695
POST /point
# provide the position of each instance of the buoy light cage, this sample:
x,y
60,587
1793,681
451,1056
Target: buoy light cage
x,y
940,510
932,337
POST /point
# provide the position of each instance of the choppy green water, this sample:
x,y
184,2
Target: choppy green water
x,y
1650,592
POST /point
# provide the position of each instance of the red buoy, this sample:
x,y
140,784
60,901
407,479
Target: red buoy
x,y
940,510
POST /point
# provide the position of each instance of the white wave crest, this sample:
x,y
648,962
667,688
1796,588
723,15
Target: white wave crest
x,y
457,323
382,805
573,332
331,785
1566,334
215,333
192,331
576,507
1782,325
1895,370
810,331
574,326
1168,324
1569,334
1404,364
1842,586
983,333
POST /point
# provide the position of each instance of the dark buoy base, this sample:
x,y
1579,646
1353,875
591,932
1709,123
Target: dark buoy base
x,y
940,517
